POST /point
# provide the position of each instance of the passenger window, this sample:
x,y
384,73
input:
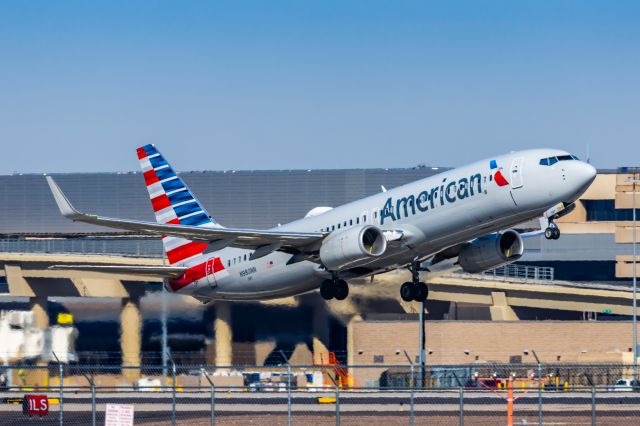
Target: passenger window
x,y
338,226
345,223
375,215
364,218
229,262
333,227
245,257
357,220
234,260
490,178
350,222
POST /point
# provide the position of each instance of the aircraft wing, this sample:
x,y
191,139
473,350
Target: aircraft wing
x,y
245,238
151,271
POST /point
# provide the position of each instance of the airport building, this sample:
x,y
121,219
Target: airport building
x,y
582,276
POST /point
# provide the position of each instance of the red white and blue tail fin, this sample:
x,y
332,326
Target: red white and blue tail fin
x,y
173,203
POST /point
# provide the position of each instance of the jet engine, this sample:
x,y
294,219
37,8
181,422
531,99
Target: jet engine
x,y
344,248
491,251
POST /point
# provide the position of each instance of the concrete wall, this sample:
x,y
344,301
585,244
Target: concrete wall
x,y
463,342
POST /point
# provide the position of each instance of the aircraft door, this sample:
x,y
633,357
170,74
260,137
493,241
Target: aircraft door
x,y
516,173
211,279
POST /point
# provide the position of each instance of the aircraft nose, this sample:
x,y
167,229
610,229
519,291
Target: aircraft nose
x,y
585,173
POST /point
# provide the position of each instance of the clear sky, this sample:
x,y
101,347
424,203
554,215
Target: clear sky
x,y
315,84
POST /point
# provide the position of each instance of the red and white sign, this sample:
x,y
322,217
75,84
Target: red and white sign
x,y
119,415
36,405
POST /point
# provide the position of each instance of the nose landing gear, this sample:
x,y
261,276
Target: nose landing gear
x,y
334,288
414,290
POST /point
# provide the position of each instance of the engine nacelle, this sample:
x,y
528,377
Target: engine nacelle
x,y
344,248
491,251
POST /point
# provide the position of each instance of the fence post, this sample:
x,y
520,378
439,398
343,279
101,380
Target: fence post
x,y
461,406
412,384
93,398
213,398
93,404
60,368
337,404
288,393
593,405
173,393
539,388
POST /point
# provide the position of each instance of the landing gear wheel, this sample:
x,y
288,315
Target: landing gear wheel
x,y
552,233
421,292
407,292
327,290
341,289
548,233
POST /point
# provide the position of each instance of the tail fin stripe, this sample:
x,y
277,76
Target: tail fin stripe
x,y
158,162
155,190
172,185
196,220
167,216
187,209
185,251
160,203
188,215
150,177
165,174
179,197
145,164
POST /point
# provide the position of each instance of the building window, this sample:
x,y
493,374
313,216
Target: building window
x,y
378,359
605,211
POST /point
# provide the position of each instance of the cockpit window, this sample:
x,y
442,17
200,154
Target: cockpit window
x,y
553,160
575,157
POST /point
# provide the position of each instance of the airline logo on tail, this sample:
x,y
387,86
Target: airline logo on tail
x,y
174,204
497,176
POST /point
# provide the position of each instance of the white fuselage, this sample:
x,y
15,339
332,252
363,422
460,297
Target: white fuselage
x,y
433,214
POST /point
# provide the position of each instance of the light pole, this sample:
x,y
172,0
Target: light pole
x,y
634,180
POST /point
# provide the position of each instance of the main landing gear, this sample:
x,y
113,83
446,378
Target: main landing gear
x,y
552,232
414,290
334,288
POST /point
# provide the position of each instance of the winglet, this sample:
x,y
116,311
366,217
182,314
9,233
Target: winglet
x,y
64,205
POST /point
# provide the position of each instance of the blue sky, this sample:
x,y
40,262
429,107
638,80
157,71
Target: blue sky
x,y
302,84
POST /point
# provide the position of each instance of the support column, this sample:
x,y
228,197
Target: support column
x,y
500,310
130,336
39,376
320,335
223,334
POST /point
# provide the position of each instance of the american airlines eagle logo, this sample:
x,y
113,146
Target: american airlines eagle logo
x,y
497,176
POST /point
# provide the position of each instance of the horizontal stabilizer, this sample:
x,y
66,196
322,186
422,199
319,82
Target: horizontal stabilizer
x,y
245,238
150,271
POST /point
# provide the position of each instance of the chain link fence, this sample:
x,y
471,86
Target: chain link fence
x,y
320,394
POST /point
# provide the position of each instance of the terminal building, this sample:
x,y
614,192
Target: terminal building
x,y
584,275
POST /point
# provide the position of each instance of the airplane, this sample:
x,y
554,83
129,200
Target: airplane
x,y
459,218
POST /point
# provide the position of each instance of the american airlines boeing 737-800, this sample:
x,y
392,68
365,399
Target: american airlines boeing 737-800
x,y
459,218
